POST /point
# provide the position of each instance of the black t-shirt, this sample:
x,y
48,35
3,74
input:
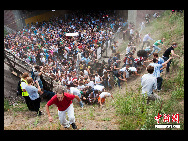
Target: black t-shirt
x,y
168,51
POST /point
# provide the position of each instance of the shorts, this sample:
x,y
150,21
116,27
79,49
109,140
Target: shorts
x,y
102,99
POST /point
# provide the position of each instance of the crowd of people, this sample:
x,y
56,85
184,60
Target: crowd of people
x,y
72,61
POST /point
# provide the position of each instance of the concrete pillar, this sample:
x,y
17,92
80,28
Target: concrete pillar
x,y
132,14
18,19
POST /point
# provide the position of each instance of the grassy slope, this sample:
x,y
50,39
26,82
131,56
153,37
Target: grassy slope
x,y
133,113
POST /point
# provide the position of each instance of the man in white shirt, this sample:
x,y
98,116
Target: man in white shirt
x,y
78,60
145,40
128,49
42,59
142,26
131,31
79,56
75,91
90,83
149,83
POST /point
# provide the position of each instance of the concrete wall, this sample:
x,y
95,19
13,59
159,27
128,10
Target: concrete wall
x,y
137,16
9,20
18,19
132,14
45,16
141,15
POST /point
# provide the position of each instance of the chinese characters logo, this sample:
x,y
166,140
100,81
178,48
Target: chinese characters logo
x,y
166,118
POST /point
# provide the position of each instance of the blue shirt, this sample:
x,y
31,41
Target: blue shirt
x,y
157,67
32,91
160,61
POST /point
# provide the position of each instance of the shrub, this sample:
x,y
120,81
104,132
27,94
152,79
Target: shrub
x,y
6,105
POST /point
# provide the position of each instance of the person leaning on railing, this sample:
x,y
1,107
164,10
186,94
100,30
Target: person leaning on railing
x,y
25,94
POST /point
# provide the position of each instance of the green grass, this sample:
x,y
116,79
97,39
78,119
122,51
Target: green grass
x,y
131,107
6,105
135,113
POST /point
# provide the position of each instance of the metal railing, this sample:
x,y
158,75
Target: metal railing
x,y
19,66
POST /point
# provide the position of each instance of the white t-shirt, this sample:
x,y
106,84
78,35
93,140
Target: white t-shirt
x,y
74,91
97,79
81,87
131,31
85,72
125,70
98,87
23,85
79,56
104,94
132,69
146,37
128,49
91,83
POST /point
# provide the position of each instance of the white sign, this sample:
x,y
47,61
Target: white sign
x,y
167,126
72,34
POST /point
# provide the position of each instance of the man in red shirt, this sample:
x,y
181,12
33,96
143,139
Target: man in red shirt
x,y
64,103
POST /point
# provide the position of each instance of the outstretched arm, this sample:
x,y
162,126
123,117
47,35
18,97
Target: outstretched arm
x,y
173,54
79,100
77,97
100,102
48,112
163,64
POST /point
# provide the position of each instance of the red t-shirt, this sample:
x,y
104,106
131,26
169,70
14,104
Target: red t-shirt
x,y
64,104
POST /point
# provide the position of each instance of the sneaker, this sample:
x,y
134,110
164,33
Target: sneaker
x,y
67,126
74,126
159,90
39,113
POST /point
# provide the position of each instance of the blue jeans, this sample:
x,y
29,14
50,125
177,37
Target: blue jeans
x,y
105,83
49,94
168,64
159,83
40,84
154,48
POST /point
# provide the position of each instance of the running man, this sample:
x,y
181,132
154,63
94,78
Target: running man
x,y
168,52
64,103
145,40
156,44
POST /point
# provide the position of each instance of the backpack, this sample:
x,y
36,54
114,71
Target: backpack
x,y
19,90
33,75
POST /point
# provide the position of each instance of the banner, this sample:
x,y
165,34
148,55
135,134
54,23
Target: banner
x,y
72,34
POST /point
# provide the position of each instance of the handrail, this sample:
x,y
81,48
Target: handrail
x,y
11,62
